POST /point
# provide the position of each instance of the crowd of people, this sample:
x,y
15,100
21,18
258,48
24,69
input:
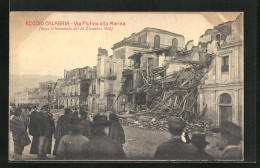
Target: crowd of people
x,y
79,138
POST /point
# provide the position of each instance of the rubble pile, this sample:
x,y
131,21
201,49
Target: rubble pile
x,y
170,94
175,93
157,121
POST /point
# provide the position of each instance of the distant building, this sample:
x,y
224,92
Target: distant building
x,y
46,92
222,94
27,96
105,88
73,89
58,93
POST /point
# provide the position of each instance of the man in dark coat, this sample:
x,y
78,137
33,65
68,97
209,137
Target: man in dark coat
x,y
75,117
116,131
34,129
25,116
175,148
47,128
199,141
230,141
85,124
102,147
62,128
71,145
20,135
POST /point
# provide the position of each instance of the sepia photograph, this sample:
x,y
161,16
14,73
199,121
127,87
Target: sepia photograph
x,y
126,86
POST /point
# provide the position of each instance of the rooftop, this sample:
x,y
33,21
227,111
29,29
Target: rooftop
x,y
147,29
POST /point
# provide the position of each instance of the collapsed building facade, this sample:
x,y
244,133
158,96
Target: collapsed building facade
x,y
72,90
140,53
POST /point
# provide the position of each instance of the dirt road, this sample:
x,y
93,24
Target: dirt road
x,y
140,144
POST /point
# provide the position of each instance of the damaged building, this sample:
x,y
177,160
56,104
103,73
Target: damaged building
x,y
142,52
74,87
187,81
106,86
222,91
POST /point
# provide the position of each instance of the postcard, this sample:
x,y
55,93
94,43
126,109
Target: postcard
x,y
126,86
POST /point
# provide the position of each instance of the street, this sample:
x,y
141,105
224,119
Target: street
x,y
140,144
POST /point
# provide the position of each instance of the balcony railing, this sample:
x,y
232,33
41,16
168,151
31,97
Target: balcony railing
x,y
112,76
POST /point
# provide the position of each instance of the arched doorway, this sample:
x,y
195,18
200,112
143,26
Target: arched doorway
x,y
156,41
225,107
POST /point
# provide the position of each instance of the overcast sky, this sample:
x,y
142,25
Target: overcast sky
x,y
50,52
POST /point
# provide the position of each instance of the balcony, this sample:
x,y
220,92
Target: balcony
x,y
112,76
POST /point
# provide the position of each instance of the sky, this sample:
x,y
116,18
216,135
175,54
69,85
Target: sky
x,y
50,52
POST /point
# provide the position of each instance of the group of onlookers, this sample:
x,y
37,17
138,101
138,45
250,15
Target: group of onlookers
x,y
76,137
229,142
79,138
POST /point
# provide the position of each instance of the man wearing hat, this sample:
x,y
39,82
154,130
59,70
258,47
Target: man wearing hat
x,y
101,146
229,142
199,141
175,148
20,135
86,124
71,145
34,129
25,116
47,128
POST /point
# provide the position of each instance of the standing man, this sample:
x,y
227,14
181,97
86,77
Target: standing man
x,y
175,148
85,124
62,128
75,117
20,135
230,141
25,116
101,146
34,129
199,141
71,145
116,131
47,128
